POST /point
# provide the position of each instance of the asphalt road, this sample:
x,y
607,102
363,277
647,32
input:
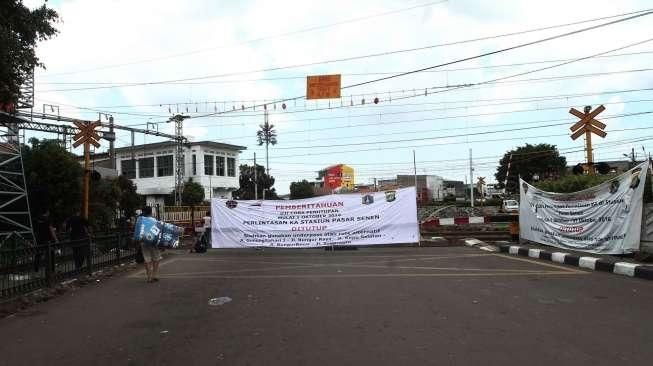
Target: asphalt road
x,y
391,306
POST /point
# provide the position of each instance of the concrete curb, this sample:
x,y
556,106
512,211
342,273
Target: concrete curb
x,y
471,242
587,262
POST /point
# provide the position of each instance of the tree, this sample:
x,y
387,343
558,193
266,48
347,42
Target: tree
x,y
528,160
246,180
128,199
266,135
54,179
572,183
193,194
303,189
103,203
20,30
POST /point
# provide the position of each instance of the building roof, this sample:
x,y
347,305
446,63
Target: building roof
x,y
163,144
334,166
156,145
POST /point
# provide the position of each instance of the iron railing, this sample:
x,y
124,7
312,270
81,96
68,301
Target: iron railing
x,y
25,267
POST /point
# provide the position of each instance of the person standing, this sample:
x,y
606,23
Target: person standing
x,y
44,234
77,228
151,253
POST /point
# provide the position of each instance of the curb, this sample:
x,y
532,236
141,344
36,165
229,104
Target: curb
x,y
593,263
471,242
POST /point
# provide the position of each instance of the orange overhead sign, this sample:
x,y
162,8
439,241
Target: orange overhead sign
x,y
323,86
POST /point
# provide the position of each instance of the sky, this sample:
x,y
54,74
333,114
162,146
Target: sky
x,y
235,54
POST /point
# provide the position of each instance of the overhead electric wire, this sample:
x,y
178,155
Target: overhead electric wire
x,y
303,77
385,123
311,153
630,16
542,40
103,109
255,40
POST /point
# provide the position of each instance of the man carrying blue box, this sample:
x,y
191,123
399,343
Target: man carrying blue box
x,y
147,232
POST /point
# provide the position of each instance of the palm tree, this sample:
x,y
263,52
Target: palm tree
x,y
266,135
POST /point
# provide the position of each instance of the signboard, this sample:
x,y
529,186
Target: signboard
x,y
333,220
605,219
323,86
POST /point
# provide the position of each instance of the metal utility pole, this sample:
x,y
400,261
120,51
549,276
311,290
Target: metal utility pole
x,y
415,171
255,179
471,178
112,151
178,119
505,185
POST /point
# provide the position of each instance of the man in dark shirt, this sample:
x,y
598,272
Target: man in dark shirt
x,y
77,228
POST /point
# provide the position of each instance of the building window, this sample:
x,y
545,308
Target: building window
x,y
194,164
164,166
146,167
128,168
208,164
231,167
219,163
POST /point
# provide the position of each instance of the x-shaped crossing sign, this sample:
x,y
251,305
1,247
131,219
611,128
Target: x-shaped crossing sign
x,y
86,134
587,123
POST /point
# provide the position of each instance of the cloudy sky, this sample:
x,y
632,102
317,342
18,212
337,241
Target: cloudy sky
x,y
127,57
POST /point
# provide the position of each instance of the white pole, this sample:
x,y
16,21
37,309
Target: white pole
x,y
471,178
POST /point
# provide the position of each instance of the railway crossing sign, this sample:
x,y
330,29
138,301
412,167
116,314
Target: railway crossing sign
x,y
86,134
588,125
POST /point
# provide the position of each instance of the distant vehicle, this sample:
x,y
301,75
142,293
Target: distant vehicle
x,y
510,206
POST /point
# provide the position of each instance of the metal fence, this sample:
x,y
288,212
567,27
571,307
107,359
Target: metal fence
x,y
25,267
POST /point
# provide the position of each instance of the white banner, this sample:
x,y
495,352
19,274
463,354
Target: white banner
x,y
341,219
605,219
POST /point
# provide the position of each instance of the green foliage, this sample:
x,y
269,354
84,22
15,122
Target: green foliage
x,y
103,203
193,193
303,189
572,183
128,201
20,30
110,197
54,179
246,180
528,160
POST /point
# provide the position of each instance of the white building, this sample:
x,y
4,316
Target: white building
x,y
429,187
214,165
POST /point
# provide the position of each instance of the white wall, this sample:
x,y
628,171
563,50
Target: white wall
x,y
213,185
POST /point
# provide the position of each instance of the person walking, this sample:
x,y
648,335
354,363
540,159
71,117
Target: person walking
x,y
77,228
151,253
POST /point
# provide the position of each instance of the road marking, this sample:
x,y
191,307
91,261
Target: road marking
x,y
569,269
379,275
